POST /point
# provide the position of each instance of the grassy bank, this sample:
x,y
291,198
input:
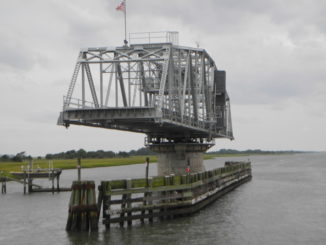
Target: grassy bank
x,y
71,163
86,163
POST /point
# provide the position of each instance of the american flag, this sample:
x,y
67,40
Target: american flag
x,y
122,6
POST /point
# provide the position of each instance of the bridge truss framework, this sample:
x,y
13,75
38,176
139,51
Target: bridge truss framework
x,y
169,92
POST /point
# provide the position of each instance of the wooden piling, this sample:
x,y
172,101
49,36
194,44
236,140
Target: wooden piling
x,y
150,202
58,185
79,168
25,180
83,211
4,186
52,177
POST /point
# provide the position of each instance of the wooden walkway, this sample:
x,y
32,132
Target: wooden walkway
x,y
27,176
167,196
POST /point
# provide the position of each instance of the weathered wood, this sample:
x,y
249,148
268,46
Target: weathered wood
x,y
93,211
168,196
4,186
106,202
83,210
99,201
150,202
129,202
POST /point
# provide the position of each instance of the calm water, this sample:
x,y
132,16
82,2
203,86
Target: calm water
x,y
283,204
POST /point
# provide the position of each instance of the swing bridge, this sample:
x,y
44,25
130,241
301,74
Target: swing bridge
x,y
175,95
169,92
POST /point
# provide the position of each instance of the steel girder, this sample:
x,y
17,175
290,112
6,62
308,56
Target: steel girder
x,y
160,89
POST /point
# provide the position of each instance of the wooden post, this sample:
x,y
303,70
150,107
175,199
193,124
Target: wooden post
x,y
30,184
129,214
150,202
84,192
4,186
83,212
92,212
79,168
106,205
58,185
99,201
25,179
52,181
147,168
76,199
29,180
123,206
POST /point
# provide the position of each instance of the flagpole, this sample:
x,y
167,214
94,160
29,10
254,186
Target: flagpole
x,y
125,23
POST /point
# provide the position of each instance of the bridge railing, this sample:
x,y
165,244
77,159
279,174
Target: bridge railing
x,y
154,37
75,103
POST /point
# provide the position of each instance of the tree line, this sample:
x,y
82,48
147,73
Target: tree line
x,y
255,151
98,154
72,154
19,157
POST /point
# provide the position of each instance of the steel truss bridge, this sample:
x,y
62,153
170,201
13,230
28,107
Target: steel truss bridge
x,y
169,92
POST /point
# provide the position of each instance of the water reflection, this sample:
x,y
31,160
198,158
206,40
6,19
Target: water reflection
x,y
83,238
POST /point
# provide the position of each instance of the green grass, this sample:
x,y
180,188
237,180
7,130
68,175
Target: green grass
x,y
5,173
92,163
71,163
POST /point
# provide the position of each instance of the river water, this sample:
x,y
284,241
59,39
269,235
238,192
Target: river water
x,y
284,203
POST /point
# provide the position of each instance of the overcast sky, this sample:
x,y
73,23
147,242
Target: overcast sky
x,y
274,53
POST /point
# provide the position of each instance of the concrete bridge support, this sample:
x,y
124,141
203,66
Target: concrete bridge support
x,y
179,158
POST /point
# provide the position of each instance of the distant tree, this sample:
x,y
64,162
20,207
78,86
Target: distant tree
x,y
109,154
19,157
123,154
5,158
143,152
70,154
81,153
91,154
49,156
132,153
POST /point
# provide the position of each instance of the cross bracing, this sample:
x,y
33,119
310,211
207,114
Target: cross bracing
x,y
161,89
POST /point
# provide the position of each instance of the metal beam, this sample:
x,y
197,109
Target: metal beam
x,y
91,85
142,77
193,90
109,87
185,81
164,78
122,87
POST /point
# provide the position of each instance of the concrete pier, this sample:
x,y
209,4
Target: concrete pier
x,y
179,158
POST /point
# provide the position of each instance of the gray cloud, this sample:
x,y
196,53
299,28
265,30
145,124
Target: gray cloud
x,y
274,53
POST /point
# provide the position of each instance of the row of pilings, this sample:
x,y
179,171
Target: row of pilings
x,y
160,197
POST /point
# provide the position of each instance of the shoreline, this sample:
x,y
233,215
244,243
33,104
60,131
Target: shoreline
x,y
103,162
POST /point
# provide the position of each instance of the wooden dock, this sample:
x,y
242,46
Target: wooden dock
x,y
38,173
164,197
27,176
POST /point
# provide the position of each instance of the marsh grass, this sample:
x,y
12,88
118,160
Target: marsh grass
x,y
86,163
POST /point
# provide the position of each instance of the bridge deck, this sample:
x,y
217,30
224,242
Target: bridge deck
x,y
142,120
